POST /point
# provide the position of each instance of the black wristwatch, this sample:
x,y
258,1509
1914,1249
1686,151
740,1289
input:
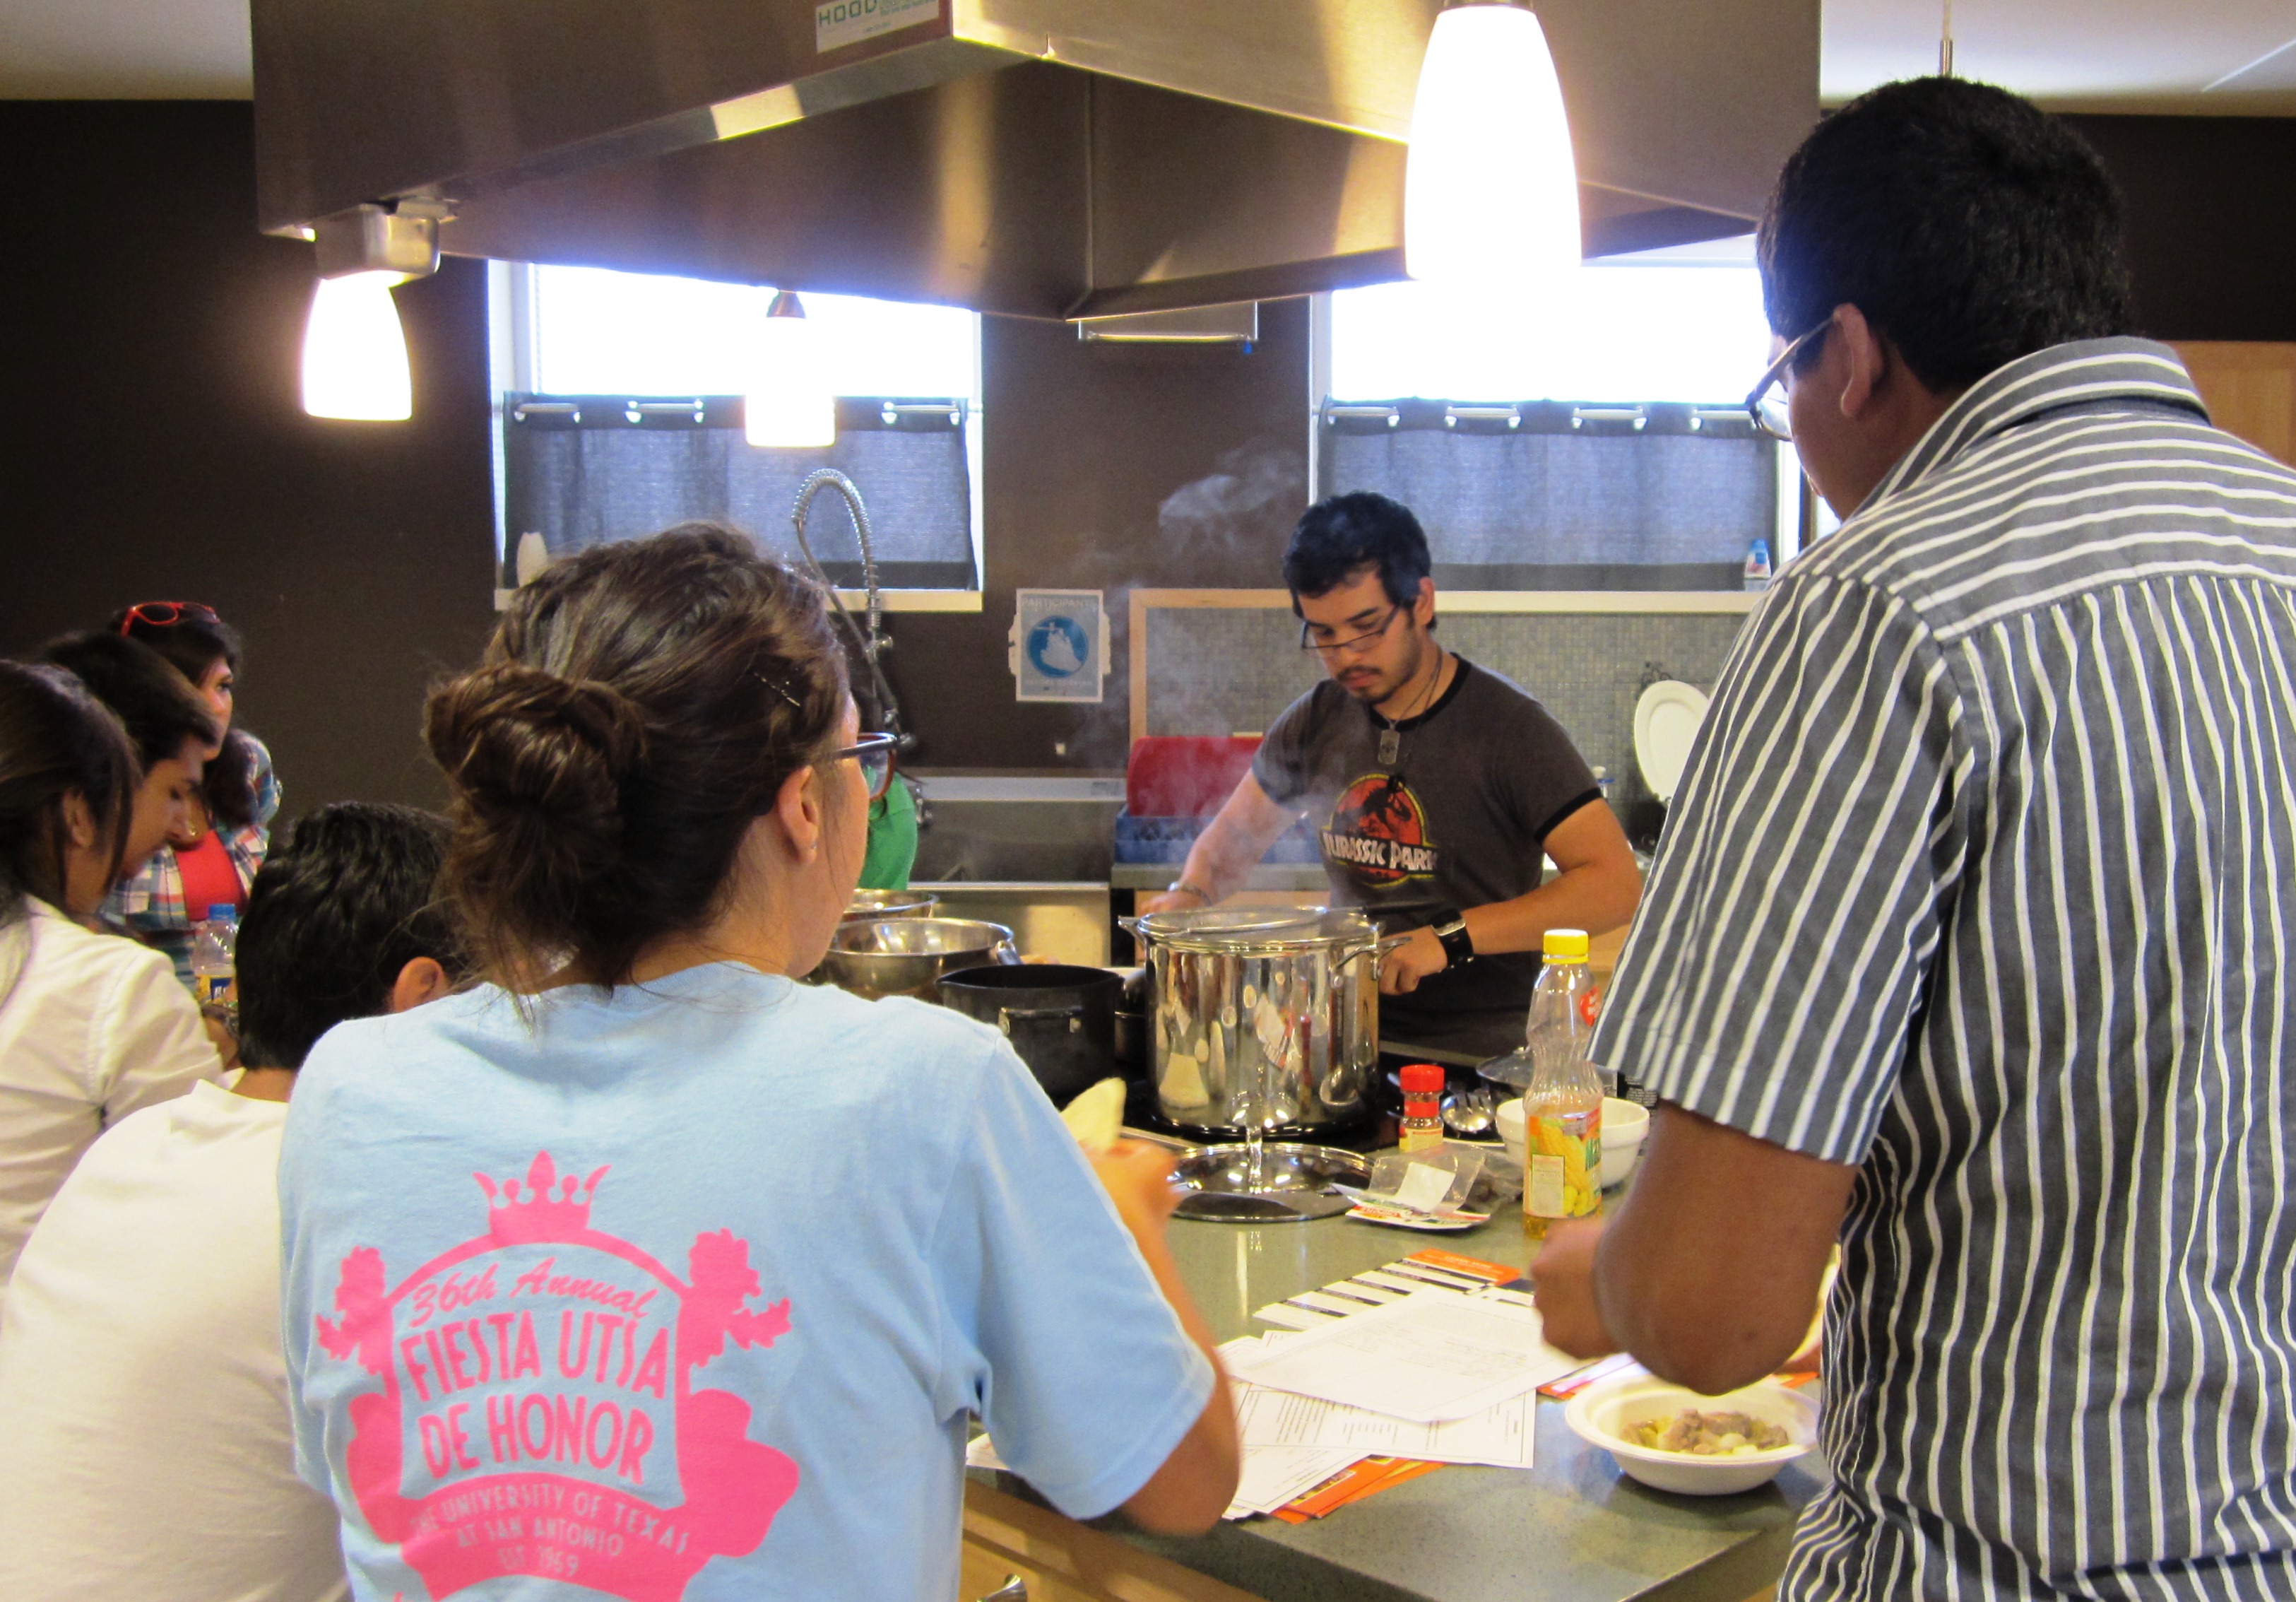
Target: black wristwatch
x,y
1450,926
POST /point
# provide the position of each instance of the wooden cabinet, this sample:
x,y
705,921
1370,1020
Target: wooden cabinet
x,y
1009,1542
2250,389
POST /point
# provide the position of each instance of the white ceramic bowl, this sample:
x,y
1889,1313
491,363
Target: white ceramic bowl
x,y
1625,1123
1508,1117
1602,1413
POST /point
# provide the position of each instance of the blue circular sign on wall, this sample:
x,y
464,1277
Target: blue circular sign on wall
x,y
1058,648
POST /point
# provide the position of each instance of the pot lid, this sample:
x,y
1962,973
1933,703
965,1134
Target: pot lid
x,y
1256,929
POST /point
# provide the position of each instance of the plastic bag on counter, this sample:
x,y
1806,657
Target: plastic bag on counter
x,y
1435,1180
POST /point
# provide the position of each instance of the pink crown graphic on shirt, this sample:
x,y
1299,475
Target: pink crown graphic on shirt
x,y
540,1215
536,1412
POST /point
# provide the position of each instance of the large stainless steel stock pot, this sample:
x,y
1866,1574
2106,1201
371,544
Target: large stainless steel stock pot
x,y
1263,1017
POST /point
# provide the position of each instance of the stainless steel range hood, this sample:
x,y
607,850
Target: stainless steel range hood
x,y
1041,158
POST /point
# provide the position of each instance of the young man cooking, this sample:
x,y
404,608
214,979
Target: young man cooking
x,y
1435,788
1970,940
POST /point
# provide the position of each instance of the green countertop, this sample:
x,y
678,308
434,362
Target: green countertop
x,y
1573,1529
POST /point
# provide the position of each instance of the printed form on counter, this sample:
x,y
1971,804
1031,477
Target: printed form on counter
x,y
1431,1358
1498,1437
1306,1453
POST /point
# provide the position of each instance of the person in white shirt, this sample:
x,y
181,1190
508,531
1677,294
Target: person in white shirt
x,y
92,1026
143,1393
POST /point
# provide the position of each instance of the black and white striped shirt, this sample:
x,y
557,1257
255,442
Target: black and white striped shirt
x,y
1984,877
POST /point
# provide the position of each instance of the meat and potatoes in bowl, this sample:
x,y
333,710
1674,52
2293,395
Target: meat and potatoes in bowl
x,y
1716,1434
1748,1435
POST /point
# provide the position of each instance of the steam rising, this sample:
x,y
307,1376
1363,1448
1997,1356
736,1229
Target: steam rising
x,y
1257,491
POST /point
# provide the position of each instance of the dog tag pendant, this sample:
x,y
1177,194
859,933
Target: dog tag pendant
x,y
1390,745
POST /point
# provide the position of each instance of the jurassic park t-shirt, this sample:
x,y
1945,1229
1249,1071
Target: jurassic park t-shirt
x,y
687,1293
1459,819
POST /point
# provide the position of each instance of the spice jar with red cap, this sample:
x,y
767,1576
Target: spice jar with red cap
x,y
1422,1107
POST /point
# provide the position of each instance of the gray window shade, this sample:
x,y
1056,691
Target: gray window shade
x,y
583,470
1548,495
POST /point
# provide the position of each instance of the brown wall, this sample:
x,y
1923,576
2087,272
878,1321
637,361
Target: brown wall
x,y
2250,387
2211,214
1108,466
154,447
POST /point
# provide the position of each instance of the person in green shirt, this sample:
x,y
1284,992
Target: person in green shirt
x,y
892,849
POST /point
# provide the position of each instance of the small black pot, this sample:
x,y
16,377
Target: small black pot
x,y
1062,1020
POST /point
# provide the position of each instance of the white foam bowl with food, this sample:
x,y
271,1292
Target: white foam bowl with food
x,y
1606,1414
1625,1123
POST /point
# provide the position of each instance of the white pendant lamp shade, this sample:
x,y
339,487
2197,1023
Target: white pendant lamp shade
x,y
1491,194
789,402
354,351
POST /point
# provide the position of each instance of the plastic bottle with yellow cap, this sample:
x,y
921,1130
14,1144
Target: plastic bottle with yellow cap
x,y
1562,1104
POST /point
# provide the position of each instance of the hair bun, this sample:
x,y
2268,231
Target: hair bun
x,y
525,747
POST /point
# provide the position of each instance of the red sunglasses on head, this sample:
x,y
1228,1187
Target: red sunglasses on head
x,y
166,614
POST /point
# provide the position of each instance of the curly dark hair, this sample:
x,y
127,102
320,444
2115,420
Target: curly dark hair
x,y
344,902
193,642
1341,535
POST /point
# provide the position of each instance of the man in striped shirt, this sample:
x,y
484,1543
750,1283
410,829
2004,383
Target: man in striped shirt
x,y
1973,937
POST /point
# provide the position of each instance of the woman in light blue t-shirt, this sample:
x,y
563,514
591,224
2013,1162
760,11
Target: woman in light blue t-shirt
x,y
644,1267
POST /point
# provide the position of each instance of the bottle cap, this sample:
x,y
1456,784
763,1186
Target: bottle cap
x,y
1565,945
1423,1079
222,912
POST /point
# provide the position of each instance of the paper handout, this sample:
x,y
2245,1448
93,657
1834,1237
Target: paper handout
x,y
1501,1437
1430,1357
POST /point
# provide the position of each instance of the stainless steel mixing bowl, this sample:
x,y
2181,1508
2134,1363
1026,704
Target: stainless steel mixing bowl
x,y
907,955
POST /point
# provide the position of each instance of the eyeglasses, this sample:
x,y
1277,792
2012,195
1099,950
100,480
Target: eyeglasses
x,y
1332,647
874,753
1770,416
166,614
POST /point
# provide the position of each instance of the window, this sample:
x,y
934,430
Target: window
x,y
598,333
1669,330
1592,441
621,413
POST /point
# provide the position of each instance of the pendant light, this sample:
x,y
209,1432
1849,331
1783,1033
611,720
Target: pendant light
x,y
354,348
1491,192
790,403
354,351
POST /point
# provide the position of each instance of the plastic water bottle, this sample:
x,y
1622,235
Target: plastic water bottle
x,y
1757,565
1563,1105
215,957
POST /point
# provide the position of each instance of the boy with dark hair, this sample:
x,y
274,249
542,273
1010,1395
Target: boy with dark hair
x,y
1439,788
1344,535
1964,944
169,726
149,1295
335,926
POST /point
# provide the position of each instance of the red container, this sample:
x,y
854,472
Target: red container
x,y
1184,775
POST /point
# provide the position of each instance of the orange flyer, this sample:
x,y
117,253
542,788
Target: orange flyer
x,y
1359,1480
1474,1267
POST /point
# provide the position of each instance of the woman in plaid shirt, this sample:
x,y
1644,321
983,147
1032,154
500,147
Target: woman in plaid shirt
x,y
213,863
